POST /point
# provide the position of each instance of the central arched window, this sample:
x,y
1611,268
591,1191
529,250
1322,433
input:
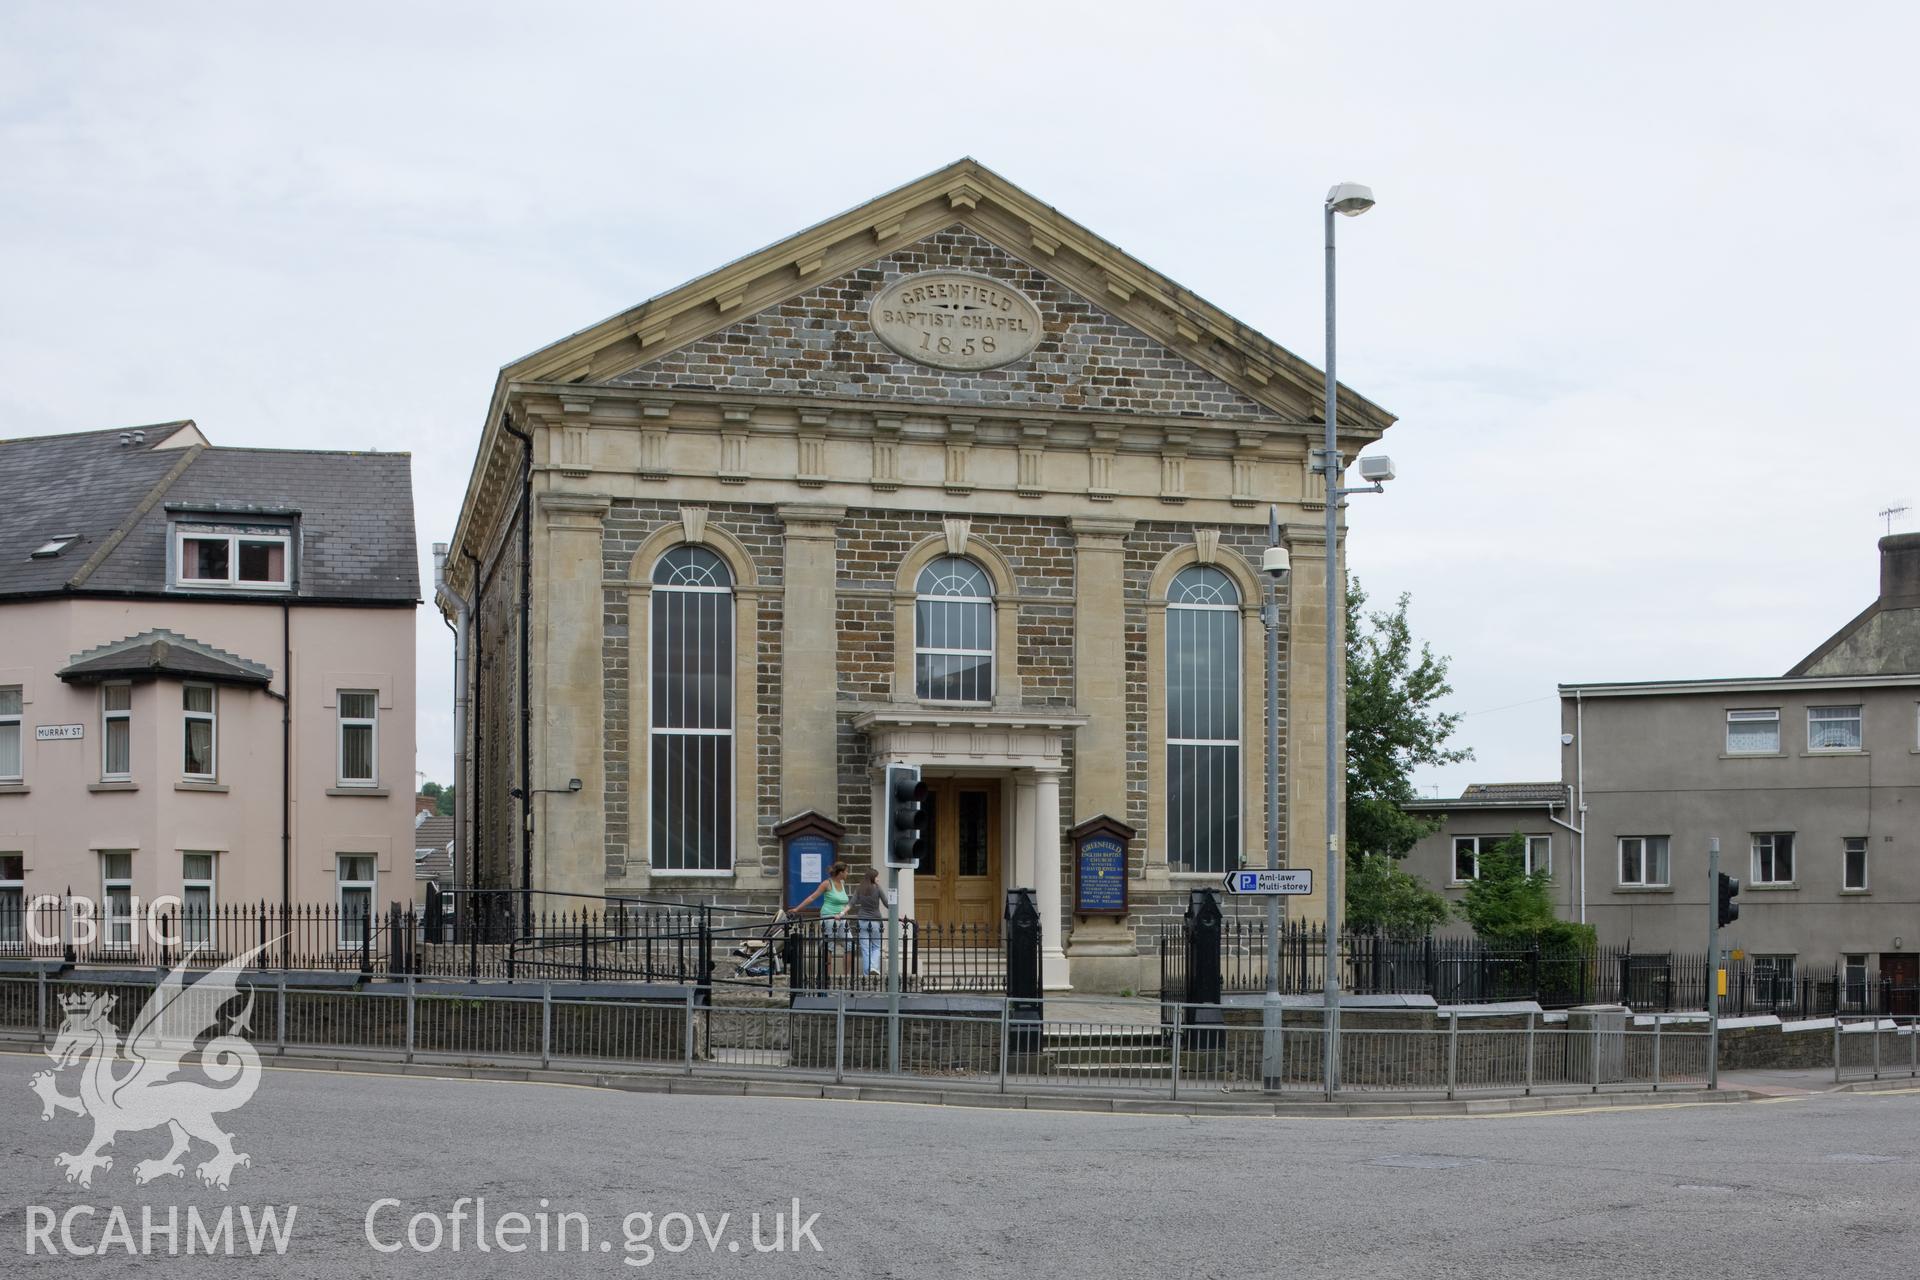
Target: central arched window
x,y
1203,721
690,716
953,632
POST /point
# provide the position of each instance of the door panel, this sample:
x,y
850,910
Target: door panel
x,y
1901,976
959,878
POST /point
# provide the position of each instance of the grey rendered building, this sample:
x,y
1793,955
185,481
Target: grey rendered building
x,y
1810,780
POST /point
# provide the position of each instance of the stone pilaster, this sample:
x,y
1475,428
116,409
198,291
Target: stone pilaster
x,y
809,642
1100,666
568,703
1306,677
1050,871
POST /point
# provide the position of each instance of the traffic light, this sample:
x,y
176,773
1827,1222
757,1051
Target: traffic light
x,y
1729,890
903,813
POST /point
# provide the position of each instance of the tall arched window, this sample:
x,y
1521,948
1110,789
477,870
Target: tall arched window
x,y
953,632
690,717
1203,721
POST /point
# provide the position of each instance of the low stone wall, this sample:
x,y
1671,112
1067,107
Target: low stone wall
x,y
939,1035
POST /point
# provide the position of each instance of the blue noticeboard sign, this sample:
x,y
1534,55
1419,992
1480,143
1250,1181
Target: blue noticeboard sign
x,y
1100,879
808,857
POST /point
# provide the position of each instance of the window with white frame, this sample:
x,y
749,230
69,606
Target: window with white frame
x,y
953,632
1853,969
1773,979
199,704
1773,857
690,713
1753,733
1833,728
1853,863
250,558
1643,861
196,899
11,755
1468,850
359,752
116,732
356,885
13,899
116,897
1203,721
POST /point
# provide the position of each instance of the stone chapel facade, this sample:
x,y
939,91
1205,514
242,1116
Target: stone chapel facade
x,y
945,480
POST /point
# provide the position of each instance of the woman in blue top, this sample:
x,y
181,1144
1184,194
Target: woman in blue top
x,y
833,898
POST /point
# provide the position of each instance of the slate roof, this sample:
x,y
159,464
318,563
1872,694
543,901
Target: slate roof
x,y
352,513
1515,792
163,652
1496,795
435,835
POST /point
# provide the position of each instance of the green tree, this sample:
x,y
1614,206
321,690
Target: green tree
x,y
1506,902
1393,725
442,798
1382,895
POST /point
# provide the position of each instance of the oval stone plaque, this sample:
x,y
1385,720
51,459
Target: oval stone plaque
x,y
955,320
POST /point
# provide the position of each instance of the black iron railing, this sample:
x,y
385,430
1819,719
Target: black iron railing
x,y
1470,971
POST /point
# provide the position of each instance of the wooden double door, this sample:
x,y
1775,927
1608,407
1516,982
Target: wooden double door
x,y
959,880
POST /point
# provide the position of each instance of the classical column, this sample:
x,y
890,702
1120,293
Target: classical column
x,y
809,661
1100,666
569,709
1306,728
1023,839
1048,870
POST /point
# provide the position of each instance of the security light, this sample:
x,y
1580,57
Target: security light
x,y
1350,198
1376,469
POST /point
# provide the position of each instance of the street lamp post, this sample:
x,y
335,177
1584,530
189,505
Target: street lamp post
x,y
1276,563
1348,199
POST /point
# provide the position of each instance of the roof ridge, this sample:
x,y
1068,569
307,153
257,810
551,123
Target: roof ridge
x,y
176,424
113,540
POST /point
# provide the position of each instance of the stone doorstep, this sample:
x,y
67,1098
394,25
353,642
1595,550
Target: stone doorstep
x,y
932,1093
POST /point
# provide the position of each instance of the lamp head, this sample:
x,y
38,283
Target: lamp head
x,y
573,784
1350,199
1376,468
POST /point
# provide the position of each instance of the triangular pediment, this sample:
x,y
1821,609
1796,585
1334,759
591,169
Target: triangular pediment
x,y
963,217
825,341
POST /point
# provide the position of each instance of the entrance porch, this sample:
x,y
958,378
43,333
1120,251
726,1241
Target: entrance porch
x,y
994,821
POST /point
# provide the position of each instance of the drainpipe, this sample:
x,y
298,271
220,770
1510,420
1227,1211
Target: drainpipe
x,y
1580,780
460,626
526,657
285,697
1580,855
477,770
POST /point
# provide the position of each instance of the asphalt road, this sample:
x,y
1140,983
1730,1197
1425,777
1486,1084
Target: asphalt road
x,y
1819,1186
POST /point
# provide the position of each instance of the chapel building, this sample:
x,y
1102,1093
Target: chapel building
x,y
945,480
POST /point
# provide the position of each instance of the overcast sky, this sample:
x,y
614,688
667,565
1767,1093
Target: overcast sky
x,y
1640,284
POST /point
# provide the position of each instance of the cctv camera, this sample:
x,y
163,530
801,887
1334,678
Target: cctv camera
x,y
1276,561
1376,469
1566,739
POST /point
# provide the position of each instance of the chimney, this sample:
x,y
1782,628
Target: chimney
x,y
1900,571
425,806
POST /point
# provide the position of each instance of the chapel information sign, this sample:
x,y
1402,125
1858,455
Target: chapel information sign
x,y
1100,866
955,320
809,845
